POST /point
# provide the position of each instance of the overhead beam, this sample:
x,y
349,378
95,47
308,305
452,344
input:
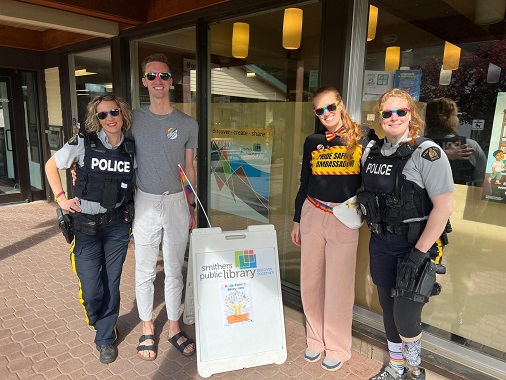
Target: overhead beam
x,y
34,15
121,11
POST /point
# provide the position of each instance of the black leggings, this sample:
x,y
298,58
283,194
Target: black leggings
x,y
400,315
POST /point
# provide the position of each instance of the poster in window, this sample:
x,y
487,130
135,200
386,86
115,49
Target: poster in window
x,y
494,188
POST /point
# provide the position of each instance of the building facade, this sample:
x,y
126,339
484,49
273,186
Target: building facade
x,y
253,102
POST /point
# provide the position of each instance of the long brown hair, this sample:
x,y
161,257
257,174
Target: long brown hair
x,y
353,130
442,115
416,122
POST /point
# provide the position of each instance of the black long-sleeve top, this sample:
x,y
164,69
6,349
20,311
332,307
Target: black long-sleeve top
x,y
321,182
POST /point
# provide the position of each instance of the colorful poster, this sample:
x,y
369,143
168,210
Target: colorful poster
x,y
409,81
494,188
241,171
236,303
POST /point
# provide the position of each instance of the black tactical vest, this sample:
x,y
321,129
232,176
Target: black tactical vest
x,y
462,170
107,176
388,197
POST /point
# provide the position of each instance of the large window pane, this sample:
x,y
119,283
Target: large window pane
x,y
260,114
470,309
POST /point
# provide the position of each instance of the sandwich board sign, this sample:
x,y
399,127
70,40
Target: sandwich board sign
x,y
233,295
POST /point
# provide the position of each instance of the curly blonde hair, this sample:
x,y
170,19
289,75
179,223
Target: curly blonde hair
x,y
92,124
416,122
353,130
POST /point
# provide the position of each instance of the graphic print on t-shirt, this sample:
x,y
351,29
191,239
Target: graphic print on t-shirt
x,y
332,161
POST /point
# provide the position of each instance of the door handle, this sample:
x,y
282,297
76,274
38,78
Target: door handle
x,y
8,141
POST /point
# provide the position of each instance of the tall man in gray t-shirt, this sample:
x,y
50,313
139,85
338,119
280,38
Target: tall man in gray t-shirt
x,y
164,138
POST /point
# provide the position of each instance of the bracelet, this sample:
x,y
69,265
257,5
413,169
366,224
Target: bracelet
x,y
57,195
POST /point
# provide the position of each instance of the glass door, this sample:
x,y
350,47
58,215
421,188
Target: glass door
x,y
13,174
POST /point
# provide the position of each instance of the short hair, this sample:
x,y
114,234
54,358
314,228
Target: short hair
x,y
153,58
417,122
497,152
92,124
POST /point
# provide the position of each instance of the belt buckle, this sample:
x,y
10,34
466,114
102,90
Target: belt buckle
x,y
102,219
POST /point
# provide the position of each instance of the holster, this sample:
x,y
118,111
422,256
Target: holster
x,y
65,224
422,287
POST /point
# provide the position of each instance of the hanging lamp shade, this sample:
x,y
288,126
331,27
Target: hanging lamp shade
x,y
240,40
292,28
451,56
489,11
445,77
373,23
392,58
493,73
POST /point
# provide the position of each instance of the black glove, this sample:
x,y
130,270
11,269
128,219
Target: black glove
x,y
410,269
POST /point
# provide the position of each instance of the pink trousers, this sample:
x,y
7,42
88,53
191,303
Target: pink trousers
x,y
328,261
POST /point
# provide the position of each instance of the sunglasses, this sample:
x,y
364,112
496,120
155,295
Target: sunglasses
x,y
103,115
152,76
400,112
331,107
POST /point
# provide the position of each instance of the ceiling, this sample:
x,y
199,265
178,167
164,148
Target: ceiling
x,y
49,24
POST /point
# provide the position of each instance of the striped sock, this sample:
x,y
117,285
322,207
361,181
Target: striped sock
x,y
396,359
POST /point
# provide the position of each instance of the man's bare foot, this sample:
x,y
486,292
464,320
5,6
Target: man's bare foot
x,y
146,348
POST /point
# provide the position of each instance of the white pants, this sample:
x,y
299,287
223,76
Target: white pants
x,y
156,215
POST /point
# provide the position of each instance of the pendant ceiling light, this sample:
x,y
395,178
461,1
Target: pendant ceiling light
x,y
445,77
493,73
489,11
392,58
240,40
373,22
451,56
292,28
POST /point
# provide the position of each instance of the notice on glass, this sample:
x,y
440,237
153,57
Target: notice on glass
x,y
236,303
409,81
376,83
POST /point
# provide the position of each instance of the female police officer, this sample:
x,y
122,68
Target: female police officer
x,y
101,212
407,199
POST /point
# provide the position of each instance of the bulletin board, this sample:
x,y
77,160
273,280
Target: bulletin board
x,y
233,296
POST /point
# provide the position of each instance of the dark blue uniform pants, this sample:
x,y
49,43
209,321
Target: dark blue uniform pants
x,y
98,262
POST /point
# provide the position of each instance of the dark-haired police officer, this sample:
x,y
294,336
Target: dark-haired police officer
x,y
407,199
101,211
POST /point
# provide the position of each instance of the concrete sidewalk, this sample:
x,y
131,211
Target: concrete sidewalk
x,y
43,334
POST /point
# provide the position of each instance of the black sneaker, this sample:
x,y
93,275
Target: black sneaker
x,y
389,373
108,353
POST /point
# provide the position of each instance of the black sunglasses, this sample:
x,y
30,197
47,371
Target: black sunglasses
x,y
400,112
152,76
103,115
331,107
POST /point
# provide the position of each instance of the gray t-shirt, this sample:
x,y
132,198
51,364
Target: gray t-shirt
x,y
74,151
160,145
434,176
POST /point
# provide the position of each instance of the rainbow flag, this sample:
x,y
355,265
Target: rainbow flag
x,y
187,187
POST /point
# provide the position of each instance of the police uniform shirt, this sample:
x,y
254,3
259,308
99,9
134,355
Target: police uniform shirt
x,y
478,159
428,166
74,151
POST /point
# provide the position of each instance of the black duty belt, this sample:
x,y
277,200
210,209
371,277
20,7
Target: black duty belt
x,y
106,218
380,228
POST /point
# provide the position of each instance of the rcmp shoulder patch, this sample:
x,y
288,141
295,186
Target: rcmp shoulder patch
x,y
73,140
432,154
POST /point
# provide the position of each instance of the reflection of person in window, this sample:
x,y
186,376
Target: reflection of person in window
x,y
467,159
